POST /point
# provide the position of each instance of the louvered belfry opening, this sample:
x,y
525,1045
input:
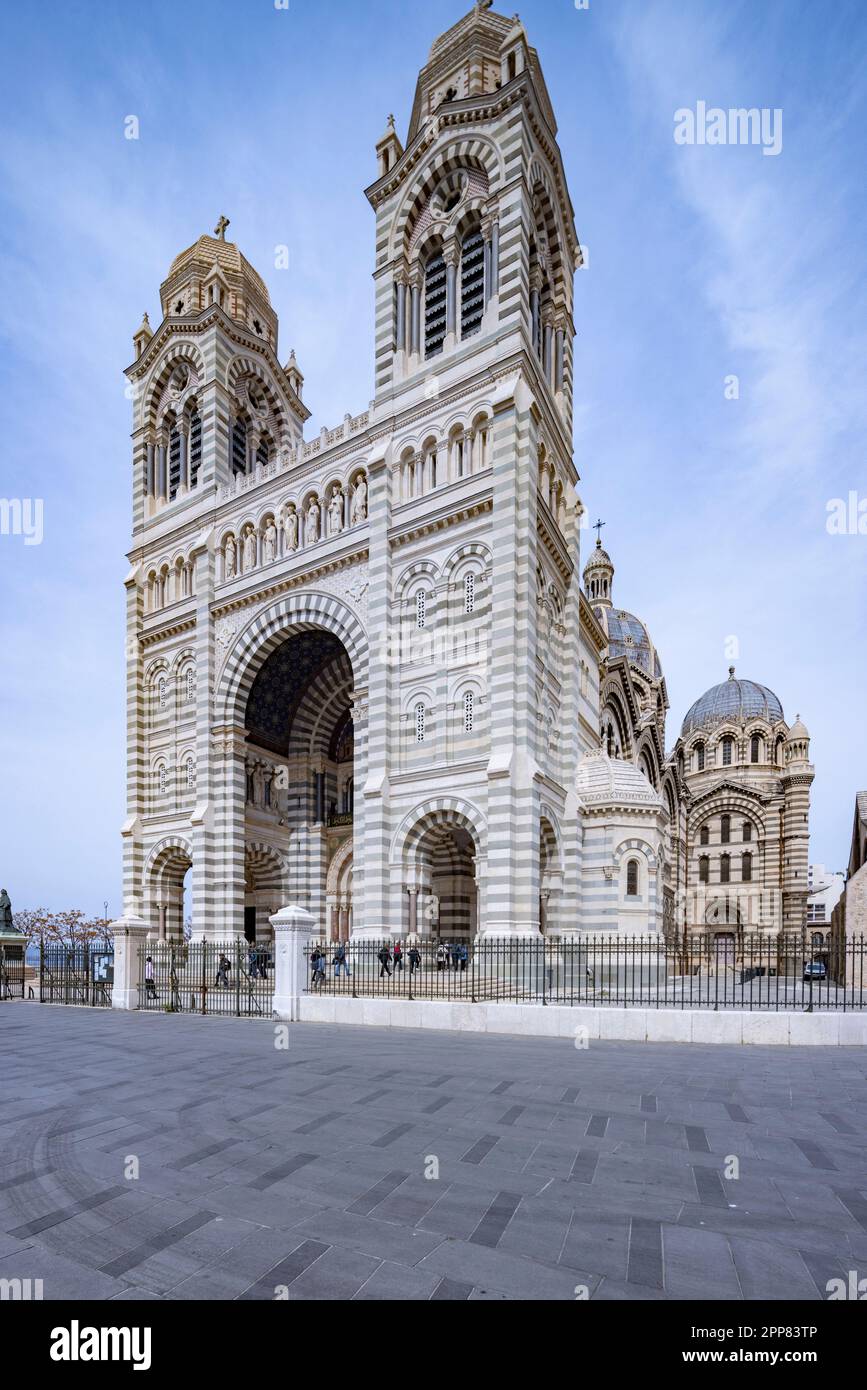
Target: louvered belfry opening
x,y
434,305
174,462
239,447
472,282
195,447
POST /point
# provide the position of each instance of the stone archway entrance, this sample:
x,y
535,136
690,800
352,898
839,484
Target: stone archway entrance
x,y
440,897
165,875
299,764
338,893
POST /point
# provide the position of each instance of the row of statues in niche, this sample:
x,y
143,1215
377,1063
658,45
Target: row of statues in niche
x,y
312,523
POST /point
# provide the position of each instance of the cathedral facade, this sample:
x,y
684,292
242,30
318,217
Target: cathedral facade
x,y
364,675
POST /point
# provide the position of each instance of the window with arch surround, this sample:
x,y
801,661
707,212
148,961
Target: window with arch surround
x,y
162,693
469,703
472,282
162,779
748,830
755,748
728,745
434,305
190,693
699,757
632,879
195,447
704,869
747,868
239,447
725,868
704,835
419,723
191,774
420,608
469,592
725,829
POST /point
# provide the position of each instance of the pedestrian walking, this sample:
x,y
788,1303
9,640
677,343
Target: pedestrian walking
x,y
442,956
464,955
398,957
456,956
340,961
414,960
384,962
224,965
150,987
317,961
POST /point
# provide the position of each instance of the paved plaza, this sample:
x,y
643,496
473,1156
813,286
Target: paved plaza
x,y
299,1172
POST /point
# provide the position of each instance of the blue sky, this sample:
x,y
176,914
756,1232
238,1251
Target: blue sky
x,y
704,262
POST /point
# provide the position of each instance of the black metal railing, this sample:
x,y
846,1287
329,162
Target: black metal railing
x,y
693,971
11,972
205,977
80,974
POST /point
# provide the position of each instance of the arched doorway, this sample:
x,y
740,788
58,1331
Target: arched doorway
x,y
166,882
299,765
440,888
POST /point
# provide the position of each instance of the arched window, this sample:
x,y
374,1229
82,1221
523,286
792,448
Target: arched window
x,y
191,774
747,867
699,757
195,447
755,748
162,693
174,462
434,305
239,446
469,701
190,686
263,453
162,779
725,829
727,751
469,593
632,879
704,869
420,608
725,868
472,282
704,835
748,830
419,723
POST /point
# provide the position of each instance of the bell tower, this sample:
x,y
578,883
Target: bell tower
x,y
475,239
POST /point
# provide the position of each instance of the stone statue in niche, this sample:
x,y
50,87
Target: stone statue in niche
x,y
335,511
250,549
311,525
270,543
359,502
290,530
231,558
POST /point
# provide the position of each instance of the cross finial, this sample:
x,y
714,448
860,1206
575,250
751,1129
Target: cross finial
x,y
598,529
220,229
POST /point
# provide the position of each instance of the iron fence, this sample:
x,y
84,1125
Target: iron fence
x,y
11,972
744,971
205,977
78,974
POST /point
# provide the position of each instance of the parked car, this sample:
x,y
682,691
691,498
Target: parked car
x,y
815,970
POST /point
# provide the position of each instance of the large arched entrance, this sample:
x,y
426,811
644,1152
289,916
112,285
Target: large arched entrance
x,y
299,772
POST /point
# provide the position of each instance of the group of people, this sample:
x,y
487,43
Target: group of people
x,y
449,956
258,958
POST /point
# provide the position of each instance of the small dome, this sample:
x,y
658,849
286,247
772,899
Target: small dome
x,y
733,701
599,559
209,250
605,781
798,730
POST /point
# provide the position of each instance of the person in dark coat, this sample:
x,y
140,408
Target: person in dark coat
x,y
384,962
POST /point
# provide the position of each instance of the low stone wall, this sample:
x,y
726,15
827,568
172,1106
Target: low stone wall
x,y
632,1025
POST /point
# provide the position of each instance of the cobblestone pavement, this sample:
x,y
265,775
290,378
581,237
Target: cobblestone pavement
x,y
301,1171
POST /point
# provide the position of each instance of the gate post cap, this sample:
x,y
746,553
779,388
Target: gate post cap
x,y
129,926
294,918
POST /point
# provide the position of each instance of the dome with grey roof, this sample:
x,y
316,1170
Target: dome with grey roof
x,y
733,701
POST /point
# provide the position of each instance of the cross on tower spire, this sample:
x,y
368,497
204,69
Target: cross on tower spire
x,y
598,529
220,229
